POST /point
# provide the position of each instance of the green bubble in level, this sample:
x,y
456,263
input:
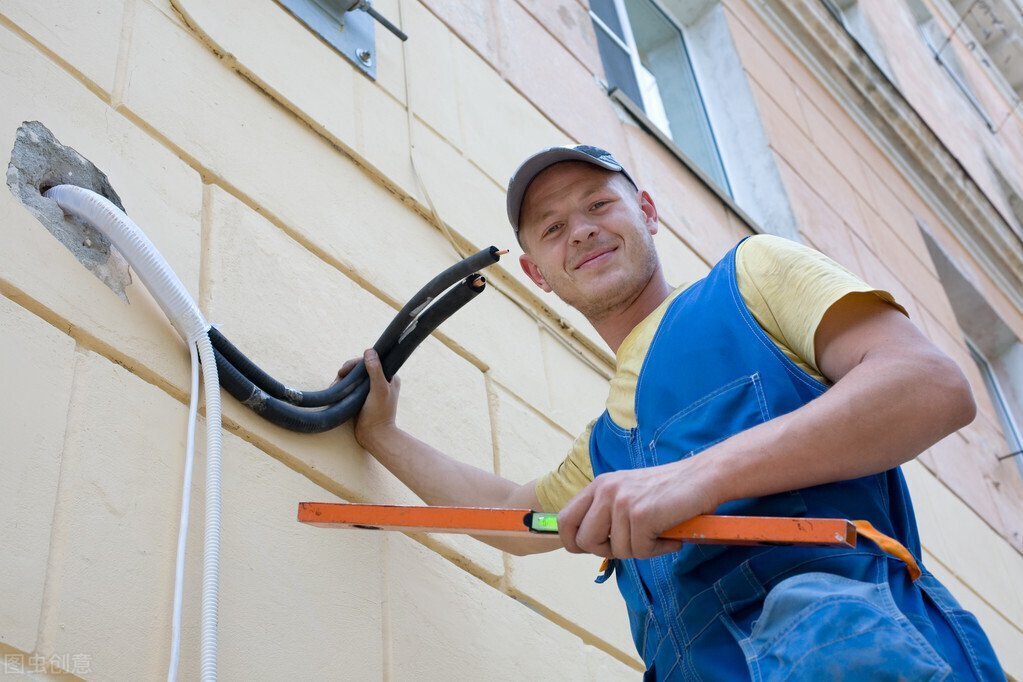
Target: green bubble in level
x,y
545,523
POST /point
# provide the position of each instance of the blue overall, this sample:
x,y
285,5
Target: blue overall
x,y
714,612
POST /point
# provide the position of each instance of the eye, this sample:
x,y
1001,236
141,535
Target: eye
x,y
598,204
552,229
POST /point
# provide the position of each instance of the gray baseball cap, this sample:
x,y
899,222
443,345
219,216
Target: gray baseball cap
x,y
545,158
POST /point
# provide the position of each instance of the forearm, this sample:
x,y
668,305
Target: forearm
x,y
442,480
437,478
884,412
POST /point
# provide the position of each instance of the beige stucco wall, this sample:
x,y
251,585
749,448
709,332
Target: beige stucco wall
x,y
297,201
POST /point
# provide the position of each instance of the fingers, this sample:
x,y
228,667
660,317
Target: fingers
x,y
584,525
594,534
377,381
373,366
346,368
381,407
621,536
570,517
375,369
610,518
643,544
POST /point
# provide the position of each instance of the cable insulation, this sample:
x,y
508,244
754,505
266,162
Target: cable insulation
x,y
186,498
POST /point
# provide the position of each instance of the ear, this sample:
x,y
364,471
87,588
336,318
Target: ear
x,y
533,272
646,205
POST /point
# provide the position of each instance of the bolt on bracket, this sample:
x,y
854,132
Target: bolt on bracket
x,y
348,26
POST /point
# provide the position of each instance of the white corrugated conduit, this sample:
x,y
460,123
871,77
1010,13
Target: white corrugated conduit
x,y
184,314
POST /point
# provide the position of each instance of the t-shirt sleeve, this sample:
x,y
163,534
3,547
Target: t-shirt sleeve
x,y
559,486
789,287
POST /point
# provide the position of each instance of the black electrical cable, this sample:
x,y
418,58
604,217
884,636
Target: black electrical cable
x,y
304,420
424,325
314,421
251,370
328,396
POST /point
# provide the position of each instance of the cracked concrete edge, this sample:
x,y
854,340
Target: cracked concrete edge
x,y
39,161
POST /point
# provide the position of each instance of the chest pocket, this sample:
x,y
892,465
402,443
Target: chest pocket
x,y
722,413
734,407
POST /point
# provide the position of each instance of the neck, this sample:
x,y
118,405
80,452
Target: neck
x,y
614,326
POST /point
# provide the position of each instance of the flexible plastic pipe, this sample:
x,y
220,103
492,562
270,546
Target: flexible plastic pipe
x,y
149,265
388,339
177,304
211,536
304,420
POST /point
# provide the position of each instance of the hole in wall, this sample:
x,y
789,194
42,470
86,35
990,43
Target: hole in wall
x,y
38,162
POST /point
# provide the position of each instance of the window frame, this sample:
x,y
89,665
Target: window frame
x,y
950,64
857,24
1010,429
719,179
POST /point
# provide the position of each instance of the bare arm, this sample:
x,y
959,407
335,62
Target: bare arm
x,y
437,478
895,394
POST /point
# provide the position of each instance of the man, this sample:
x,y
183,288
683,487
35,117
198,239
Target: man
x,y
779,384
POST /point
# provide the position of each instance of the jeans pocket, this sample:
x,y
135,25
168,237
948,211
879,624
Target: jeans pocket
x,y
966,629
819,626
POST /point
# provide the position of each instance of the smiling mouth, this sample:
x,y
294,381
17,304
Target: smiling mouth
x,y
595,258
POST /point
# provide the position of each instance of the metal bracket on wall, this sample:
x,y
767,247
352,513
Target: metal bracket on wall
x,y
348,26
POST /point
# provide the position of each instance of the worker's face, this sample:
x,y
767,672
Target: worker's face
x,y
587,234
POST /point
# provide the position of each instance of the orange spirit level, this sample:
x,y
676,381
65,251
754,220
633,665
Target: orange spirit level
x,y
714,530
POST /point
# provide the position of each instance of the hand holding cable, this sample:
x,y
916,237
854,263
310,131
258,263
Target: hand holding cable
x,y
380,410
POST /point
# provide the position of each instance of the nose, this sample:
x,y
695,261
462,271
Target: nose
x,y
581,229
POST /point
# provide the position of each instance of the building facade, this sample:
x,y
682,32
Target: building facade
x,y
302,200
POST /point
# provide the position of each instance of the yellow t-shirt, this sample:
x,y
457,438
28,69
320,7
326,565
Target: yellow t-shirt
x,y
786,286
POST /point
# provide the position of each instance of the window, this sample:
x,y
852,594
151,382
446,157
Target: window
x,y
939,45
991,31
645,56
850,15
673,66
994,347
1000,399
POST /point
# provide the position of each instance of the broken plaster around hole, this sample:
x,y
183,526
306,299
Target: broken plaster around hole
x,y
39,161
